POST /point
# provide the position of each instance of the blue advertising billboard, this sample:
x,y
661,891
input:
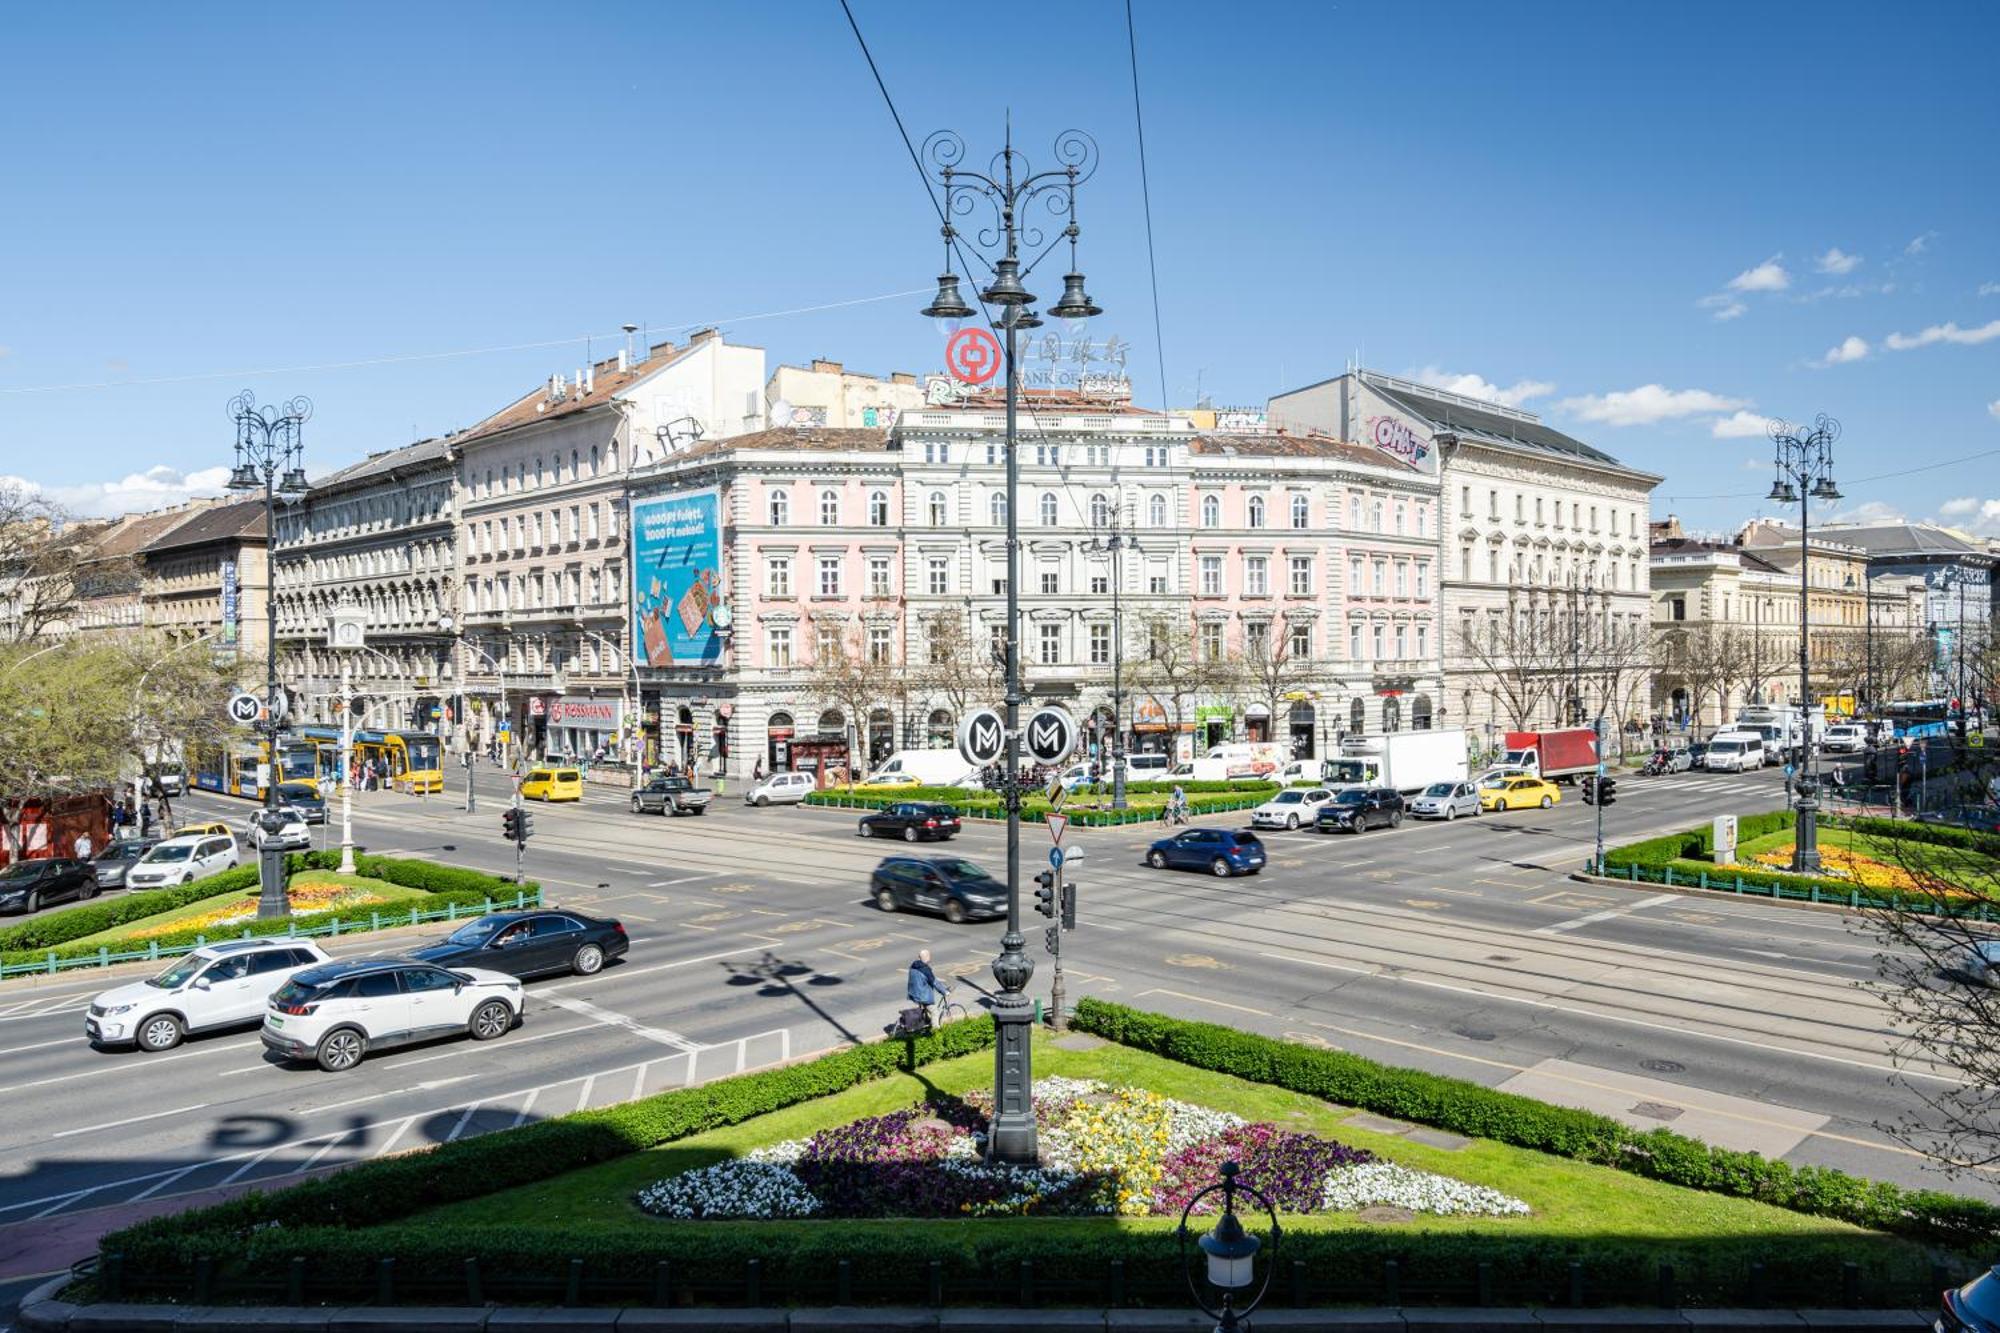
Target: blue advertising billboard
x,y
677,578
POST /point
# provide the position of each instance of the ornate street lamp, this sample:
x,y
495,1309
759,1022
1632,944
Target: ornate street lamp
x,y
270,452
1230,1253
1009,186
1803,460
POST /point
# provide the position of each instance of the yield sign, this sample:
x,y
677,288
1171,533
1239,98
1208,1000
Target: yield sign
x,y
1058,824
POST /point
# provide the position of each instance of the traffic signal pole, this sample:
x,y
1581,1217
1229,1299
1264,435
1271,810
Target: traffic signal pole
x,y
1597,866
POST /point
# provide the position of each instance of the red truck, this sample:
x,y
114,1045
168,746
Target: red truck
x,y
1553,754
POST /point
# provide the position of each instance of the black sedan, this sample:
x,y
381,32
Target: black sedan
x,y
29,886
531,943
111,864
305,799
912,821
956,889
1359,809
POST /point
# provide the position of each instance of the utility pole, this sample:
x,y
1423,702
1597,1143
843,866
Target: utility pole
x,y
1116,539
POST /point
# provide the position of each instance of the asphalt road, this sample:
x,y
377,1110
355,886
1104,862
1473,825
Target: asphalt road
x,y
1462,948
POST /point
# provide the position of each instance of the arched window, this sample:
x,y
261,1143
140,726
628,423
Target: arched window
x,y
1357,716
1256,511
1420,713
1048,509
829,508
998,505
937,508
1392,714
1156,511
781,509
1211,511
1301,511
878,509
1100,511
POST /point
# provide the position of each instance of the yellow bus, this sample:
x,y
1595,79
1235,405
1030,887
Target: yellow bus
x,y
412,760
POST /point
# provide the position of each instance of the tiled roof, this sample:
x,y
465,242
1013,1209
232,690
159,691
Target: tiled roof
x,y
385,463
1900,539
238,518
607,380
1294,444
130,534
822,439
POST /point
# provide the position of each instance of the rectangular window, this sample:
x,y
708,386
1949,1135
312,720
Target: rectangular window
x,y
1256,575
1538,511
575,523
1156,583
938,576
1051,581
1100,585
826,644
1100,645
1156,455
1492,566
1381,584
1423,579
1354,643
1402,578
992,455
1402,643
1356,579
1211,576
1379,636
590,522
778,646
1302,576
879,645
778,576
1354,512
1423,641
611,521
1300,648
1400,519
1211,643
1593,518
1465,501
829,576
1051,641
878,576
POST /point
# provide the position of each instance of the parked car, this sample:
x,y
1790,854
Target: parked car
x,y
1521,794
1220,851
1290,808
29,886
1845,738
912,821
283,828
531,944
218,986
1445,800
893,780
954,888
304,798
1677,760
1972,1308
779,789
113,863
1499,776
552,784
1980,965
167,782
671,796
337,1013
1359,809
1697,753
183,860
211,828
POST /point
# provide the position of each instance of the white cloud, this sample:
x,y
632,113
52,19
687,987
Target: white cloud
x,y
1851,348
1769,276
1985,289
1647,405
1964,504
155,488
1944,333
1477,386
1724,305
1870,511
1972,514
1837,261
1920,244
1737,426
1994,407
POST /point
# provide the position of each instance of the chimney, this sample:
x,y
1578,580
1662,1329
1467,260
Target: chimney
x,y
902,377
624,359
660,349
590,380
826,367
579,384
702,336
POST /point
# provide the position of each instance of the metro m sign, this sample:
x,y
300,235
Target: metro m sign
x,y
1051,736
982,738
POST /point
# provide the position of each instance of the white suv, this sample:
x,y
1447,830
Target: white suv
x,y
336,1014
214,987
780,789
183,860
283,828
1290,808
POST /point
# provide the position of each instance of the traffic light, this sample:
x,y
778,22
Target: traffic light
x,y
1607,790
1052,940
1069,907
527,825
1045,893
510,824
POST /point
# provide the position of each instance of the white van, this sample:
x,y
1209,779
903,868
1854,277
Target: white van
x,y
1735,752
931,768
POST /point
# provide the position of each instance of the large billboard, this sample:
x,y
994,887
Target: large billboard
x,y
677,578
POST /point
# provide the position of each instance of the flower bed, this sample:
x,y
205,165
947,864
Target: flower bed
x,y
1106,1151
308,897
1843,863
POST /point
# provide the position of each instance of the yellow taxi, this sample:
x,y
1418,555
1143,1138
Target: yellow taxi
x,y
214,828
552,784
1519,793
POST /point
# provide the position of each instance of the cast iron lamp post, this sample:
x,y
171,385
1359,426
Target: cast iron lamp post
x,y
1113,542
270,451
1231,1254
1803,459
1010,186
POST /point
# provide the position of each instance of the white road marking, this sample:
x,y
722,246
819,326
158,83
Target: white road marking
x,y
115,1124
526,1106
583,1095
684,879
152,1061
1607,914
38,1046
463,1121
609,1018
390,1142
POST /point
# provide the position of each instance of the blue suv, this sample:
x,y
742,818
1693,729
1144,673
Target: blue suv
x,y
1221,852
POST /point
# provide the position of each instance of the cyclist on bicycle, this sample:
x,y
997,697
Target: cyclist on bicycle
x,y
924,987
1177,807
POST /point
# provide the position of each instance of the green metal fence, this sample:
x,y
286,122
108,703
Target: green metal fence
x,y
1720,882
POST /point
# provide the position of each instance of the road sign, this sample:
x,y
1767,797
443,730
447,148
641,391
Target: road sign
x,y
1058,824
245,708
1057,794
1051,735
982,737
1056,858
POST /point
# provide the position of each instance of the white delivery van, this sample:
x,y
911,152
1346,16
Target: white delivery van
x,y
931,768
1735,752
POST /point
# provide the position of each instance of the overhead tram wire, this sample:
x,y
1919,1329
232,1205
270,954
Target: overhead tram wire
x,y
1879,476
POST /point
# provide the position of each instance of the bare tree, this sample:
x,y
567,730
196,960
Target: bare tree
x,y
1513,650
42,555
846,671
1268,670
1765,661
1621,656
1173,670
956,665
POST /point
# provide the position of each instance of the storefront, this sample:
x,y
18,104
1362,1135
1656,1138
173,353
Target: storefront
x,y
1302,720
1257,722
579,726
1214,725
779,734
881,735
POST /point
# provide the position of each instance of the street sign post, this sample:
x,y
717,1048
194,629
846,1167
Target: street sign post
x,y
1055,858
982,738
1058,824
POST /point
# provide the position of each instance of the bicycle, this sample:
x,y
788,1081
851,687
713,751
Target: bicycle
x,y
1173,815
922,1019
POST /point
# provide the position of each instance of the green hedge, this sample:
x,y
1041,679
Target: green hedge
x,y
73,923
1469,1108
1910,830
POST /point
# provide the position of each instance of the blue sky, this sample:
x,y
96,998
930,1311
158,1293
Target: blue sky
x,y
1640,220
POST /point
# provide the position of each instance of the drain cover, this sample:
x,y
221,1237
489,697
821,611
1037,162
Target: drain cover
x,y
1663,1066
1657,1111
1471,1033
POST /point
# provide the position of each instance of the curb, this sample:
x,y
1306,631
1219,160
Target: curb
x,y
43,1312
1709,895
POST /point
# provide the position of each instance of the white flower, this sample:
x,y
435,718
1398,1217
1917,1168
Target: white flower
x,y
1349,1188
785,1152
731,1189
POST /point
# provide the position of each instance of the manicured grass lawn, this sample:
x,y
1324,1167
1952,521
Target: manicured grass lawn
x,y
1568,1198
1954,865
380,890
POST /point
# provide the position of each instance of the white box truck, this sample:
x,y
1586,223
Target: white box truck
x,y
1409,761
932,768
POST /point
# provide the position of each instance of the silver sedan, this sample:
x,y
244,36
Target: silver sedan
x,y
1446,800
